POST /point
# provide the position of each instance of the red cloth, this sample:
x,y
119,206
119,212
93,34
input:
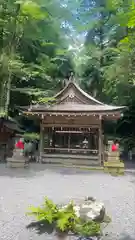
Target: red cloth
x,y
20,145
114,148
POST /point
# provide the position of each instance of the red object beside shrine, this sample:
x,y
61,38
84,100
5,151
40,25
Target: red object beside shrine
x,y
114,147
20,145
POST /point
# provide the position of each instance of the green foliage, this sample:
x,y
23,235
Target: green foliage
x,y
47,212
89,228
31,39
47,100
33,9
106,62
31,136
40,44
65,219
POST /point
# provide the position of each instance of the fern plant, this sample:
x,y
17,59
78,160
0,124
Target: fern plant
x,y
89,228
47,212
65,219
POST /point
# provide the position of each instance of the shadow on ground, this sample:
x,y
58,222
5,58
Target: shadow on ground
x,y
41,227
35,169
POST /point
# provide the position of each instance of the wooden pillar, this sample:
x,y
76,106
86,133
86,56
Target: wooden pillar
x,y
53,138
100,142
41,143
69,136
103,148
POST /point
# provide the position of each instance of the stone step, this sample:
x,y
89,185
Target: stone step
x,y
15,164
71,156
70,159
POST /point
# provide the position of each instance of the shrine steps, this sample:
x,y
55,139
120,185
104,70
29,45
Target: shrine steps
x,y
70,159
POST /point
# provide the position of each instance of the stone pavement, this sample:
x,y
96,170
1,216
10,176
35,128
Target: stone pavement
x,y
20,188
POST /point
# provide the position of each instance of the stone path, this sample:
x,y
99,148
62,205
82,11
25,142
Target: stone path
x,y
20,188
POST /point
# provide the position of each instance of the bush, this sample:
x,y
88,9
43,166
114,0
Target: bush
x,y
65,219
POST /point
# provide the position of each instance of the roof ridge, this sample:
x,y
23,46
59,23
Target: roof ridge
x,y
71,82
88,95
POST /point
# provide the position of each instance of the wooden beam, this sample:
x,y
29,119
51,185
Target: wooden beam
x,y
100,144
81,132
41,143
69,137
73,149
70,125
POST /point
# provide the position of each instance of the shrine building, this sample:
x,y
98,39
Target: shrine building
x,y
71,128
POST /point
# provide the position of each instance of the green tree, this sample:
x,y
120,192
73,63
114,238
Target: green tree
x,y
108,70
33,46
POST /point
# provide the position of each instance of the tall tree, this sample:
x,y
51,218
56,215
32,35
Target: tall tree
x,y
33,45
105,71
96,15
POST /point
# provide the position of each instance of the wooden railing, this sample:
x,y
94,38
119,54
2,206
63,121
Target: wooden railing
x,y
71,150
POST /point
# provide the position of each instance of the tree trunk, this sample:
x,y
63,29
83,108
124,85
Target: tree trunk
x,y
8,88
12,47
2,97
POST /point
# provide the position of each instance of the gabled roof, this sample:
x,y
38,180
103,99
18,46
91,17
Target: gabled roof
x,y
73,88
73,99
69,107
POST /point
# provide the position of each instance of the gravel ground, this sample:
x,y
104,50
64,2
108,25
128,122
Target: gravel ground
x,y
20,188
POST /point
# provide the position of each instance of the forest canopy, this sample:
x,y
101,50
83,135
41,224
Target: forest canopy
x,y
42,42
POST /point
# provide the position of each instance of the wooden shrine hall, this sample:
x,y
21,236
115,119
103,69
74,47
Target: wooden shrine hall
x,y
71,128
